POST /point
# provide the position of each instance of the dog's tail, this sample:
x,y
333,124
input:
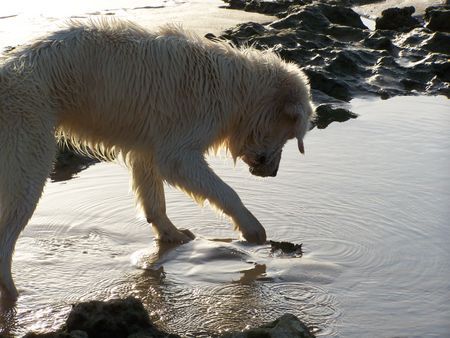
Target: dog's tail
x,y
27,150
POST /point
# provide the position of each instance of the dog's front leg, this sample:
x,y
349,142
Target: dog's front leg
x,y
148,187
191,173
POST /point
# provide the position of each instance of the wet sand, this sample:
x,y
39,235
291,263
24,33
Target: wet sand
x,y
200,16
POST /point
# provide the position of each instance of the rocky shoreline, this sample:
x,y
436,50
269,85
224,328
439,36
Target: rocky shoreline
x,y
127,318
344,59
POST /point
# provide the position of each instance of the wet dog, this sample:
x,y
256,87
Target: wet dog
x,y
160,100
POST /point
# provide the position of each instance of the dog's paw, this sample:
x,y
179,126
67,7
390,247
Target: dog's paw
x,y
176,236
255,235
251,229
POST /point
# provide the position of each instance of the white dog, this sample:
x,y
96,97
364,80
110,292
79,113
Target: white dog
x,y
161,100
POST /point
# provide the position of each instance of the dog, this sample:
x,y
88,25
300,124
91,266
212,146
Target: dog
x,y
160,100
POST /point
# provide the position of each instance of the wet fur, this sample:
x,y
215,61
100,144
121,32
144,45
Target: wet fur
x,y
160,100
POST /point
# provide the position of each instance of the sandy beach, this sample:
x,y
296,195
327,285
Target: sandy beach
x,y
200,16
20,23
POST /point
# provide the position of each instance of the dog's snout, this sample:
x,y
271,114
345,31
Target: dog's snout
x,y
261,159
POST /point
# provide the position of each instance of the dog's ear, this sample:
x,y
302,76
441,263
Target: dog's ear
x,y
299,122
298,119
294,94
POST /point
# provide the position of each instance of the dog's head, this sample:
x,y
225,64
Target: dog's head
x,y
282,115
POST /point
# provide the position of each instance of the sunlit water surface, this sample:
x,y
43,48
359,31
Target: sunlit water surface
x,y
369,201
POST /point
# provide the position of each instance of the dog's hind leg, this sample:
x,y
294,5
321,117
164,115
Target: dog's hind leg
x,y
27,150
149,190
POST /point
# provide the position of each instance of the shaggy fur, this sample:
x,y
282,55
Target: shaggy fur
x,y
161,100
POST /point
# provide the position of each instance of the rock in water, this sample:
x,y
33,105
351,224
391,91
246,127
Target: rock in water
x,y
287,326
118,318
69,162
399,19
127,318
438,18
287,248
325,114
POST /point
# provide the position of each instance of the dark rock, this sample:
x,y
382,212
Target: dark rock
x,y
344,64
267,7
340,15
300,56
69,162
332,87
287,326
442,70
118,318
438,18
247,30
127,318
399,19
115,318
286,248
326,114
410,84
286,39
236,4
310,18
211,36
375,41
346,34
438,43
264,7
48,335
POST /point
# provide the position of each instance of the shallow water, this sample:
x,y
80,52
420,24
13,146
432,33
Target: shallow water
x,y
369,201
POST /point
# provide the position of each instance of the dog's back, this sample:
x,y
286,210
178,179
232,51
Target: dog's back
x,y
161,99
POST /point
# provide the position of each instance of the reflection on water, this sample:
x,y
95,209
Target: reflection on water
x,y
208,287
370,203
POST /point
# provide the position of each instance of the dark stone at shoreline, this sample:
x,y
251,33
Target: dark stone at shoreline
x,y
326,114
380,42
329,85
343,59
118,318
127,318
438,43
438,18
340,15
287,326
264,7
399,19
69,162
